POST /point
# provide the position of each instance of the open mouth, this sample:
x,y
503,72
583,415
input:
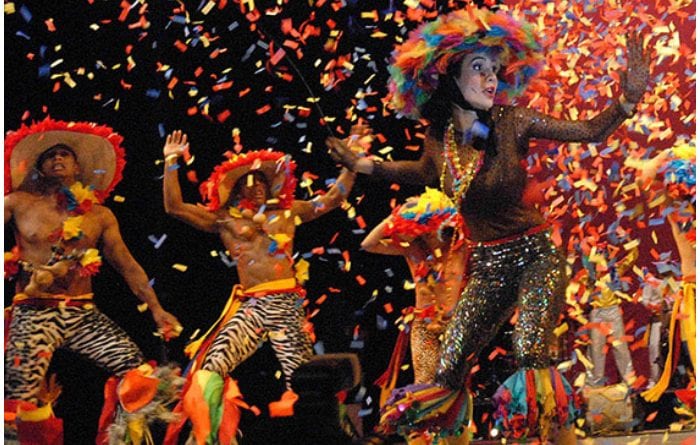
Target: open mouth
x,y
490,91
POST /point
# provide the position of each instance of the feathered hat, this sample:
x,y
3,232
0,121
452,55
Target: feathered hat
x,y
277,167
679,172
430,49
97,147
423,214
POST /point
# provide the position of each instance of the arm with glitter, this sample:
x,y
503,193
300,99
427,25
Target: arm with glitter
x,y
598,128
420,172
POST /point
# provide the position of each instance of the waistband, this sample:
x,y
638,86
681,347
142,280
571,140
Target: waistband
x,y
59,300
283,286
542,228
430,311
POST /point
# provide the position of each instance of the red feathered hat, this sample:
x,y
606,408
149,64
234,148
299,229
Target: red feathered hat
x,y
277,167
97,147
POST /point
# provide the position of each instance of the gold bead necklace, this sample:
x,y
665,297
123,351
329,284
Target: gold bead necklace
x,y
462,175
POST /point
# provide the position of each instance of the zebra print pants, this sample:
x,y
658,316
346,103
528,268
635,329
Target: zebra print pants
x,y
36,332
278,318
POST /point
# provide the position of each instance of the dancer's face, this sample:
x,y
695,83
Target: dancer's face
x,y
59,162
477,79
254,189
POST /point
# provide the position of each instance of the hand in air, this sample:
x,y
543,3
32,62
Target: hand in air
x,y
361,138
176,145
350,150
636,77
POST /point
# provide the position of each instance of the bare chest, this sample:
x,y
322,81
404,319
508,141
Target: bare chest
x,y
42,223
245,235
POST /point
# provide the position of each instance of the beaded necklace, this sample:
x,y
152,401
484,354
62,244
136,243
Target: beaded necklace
x,y
462,173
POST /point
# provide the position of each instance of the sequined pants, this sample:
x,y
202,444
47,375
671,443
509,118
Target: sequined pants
x,y
528,273
425,347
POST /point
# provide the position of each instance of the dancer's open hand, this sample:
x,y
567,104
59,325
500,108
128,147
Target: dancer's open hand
x,y
636,77
360,139
176,145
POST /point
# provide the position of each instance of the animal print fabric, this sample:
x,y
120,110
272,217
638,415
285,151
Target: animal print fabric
x,y
36,332
278,318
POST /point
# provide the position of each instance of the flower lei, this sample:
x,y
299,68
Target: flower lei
x,y
78,200
90,262
12,259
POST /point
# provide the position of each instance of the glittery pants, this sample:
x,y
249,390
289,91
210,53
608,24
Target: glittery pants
x,y
528,273
425,349
611,317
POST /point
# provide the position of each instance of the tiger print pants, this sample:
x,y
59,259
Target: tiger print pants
x,y
36,332
278,318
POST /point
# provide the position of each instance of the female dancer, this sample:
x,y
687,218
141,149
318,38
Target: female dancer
x,y
451,72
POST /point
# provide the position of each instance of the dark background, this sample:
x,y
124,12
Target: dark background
x,y
197,295
142,103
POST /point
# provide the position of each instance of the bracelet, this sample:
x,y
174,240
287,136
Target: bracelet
x,y
170,157
627,107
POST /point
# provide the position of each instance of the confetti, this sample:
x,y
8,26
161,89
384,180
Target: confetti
x,y
188,69
179,267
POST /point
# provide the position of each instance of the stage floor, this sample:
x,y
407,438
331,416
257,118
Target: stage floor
x,y
655,437
652,437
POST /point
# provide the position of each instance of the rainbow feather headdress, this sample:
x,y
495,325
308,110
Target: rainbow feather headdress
x,y
679,172
418,62
423,214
